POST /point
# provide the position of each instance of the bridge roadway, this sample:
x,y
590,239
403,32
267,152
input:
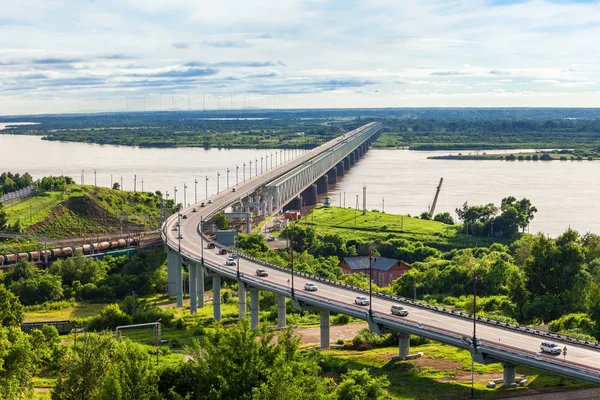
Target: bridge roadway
x,y
497,344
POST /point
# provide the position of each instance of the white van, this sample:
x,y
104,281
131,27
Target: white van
x,y
399,310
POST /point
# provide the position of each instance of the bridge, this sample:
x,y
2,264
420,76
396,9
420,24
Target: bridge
x,y
276,188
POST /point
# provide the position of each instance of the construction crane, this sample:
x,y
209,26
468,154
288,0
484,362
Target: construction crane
x,y
437,193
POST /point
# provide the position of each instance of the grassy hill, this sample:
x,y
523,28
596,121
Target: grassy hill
x,y
82,210
376,225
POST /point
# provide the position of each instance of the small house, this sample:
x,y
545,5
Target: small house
x,y
385,270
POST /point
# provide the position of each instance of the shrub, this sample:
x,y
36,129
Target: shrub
x,y
341,319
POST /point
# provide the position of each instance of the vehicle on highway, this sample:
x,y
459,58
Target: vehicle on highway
x,y
549,347
203,204
210,246
311,287
361,300
210,202
223,251
194,210
180,236
261,272
230,261
270,238
399,310
233,190
175,228
184,216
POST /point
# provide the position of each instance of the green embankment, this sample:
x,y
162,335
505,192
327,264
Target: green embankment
x,y
82,210
378,225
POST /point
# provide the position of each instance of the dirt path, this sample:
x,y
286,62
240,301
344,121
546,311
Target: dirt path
x,y
336,332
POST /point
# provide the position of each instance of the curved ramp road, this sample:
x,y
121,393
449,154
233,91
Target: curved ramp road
x,y
508,344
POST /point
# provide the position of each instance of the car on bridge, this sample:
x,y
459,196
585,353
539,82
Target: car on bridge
x,y
311,287
261,272
233,190
184,216
230,261
549,347
223,251
203,204
180,236
361,300
399,310
194,210
211,245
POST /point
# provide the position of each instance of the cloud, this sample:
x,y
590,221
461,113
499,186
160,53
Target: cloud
x,y
450,73
185,73
180,45
269,74
117,56
227,43
236,64
499,72
55,60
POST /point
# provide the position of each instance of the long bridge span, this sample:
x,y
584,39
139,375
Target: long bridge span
x,y
306,176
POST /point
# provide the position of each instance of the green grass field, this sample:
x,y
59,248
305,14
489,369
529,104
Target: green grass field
x,y
351,224
77,310
34,209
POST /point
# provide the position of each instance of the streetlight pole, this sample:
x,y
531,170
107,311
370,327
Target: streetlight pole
x,y
475,281
184,195
237,170
250,169
256,166
244,172
206,182
227,178
195,191
276,157
271,160
179,230
261,164
175,195
237,256
292,247
371,282
218,175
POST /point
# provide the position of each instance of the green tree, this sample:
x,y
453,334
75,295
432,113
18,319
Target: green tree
x,y
79,268
444,217
426,215
360,385
11,310
3,217
116,186
17,363
221,221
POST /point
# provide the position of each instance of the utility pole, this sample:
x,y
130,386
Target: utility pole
x,y
237,170
135,182
261,165
95,182
82,178
206,186
195,191
256,166
371,282
122,182
142,185
227,178
271,160
175,195
364,200
244,171
184,195
218,175
250,169
383,204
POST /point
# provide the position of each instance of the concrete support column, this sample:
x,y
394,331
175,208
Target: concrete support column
x,y
242,300
322,184
509,375
171,273
347,163
281,311
324,329
356,154
200,286
359,150
310,195
254,309
193,288
404,345
332,176
352,159
340,169
179,280
216,297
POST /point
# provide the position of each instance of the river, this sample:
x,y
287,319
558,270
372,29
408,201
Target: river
x,y
565,192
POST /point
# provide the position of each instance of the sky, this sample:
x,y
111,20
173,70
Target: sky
x,y
59,56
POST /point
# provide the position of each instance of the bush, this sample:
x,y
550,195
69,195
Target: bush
x,y
341,319
110,317
366,336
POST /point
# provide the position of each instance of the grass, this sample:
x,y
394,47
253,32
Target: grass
x,y
34,209
485,156
378,225
442,373
76,310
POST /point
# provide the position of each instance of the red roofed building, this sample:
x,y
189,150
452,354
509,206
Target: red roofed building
x,y
385,270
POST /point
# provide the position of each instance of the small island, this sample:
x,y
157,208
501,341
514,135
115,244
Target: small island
x,y
561,155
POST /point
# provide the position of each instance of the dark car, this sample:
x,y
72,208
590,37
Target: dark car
x,y
210,246
223,251
261,272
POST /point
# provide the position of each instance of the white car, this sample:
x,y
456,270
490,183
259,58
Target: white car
x,y
399,310
361,300
311,287
549,347
230,261
180,236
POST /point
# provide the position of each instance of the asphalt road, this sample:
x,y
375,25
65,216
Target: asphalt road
x,y
191,244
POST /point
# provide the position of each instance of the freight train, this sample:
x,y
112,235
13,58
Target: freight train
x,y
39,257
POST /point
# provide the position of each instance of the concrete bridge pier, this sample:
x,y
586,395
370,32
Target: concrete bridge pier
x,y
254,309
347,163
322,184
340,169
352,158
171,273
242,300
324,329
216,297
404,345
359,152
200,284
179,280
294,204
509,375
310,195
332,176
193,288
281,311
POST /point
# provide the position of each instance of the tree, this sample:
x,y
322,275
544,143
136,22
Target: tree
x,y
11,310
445,218
360,385
116,186
3,217
79,268
17,363
221,222
426,215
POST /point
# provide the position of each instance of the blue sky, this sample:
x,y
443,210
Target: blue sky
x,y
105,55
